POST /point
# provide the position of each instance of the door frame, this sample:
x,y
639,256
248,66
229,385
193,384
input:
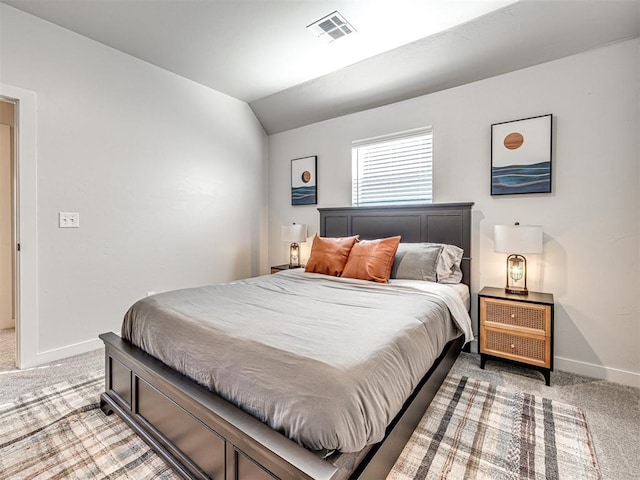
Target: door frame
x,y
25,224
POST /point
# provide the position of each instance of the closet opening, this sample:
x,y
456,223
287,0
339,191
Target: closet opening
x,y
8,242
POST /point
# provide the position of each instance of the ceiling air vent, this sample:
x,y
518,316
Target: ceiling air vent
x,y
331,27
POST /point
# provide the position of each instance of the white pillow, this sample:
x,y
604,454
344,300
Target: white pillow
x,y
448,267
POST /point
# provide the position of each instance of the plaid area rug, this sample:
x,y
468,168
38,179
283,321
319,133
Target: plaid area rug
x,y
60,433
475,430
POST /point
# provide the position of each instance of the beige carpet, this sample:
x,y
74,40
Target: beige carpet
x,y
7,349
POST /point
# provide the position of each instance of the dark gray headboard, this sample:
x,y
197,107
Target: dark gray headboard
x,y
437,223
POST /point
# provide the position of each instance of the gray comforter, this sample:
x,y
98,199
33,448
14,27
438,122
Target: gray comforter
x,y
326,361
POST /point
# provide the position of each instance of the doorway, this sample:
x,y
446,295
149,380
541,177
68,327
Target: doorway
x,y
7,235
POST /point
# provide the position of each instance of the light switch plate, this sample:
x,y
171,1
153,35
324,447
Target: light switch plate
x,y
68,220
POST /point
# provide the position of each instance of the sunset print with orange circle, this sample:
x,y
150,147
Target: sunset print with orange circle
x,y
303,181
521,156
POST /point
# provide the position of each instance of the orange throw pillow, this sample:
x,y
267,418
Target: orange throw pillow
x,y
329,255
372,259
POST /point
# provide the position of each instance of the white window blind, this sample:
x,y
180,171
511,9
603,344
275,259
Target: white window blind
x,y
394,169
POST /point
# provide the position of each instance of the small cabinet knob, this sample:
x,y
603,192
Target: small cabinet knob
x,y
513,315
513,346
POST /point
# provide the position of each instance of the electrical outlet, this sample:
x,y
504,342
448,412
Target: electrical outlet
x,y
68,220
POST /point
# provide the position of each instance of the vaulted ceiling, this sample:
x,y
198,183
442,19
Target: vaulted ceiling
x,y
260,51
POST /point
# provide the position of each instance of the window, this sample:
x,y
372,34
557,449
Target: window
x,y
394,169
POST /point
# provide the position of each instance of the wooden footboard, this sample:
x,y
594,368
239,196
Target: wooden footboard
x,y
203,436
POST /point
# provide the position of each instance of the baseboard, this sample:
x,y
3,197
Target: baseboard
x,y
62,352
589,369
597,371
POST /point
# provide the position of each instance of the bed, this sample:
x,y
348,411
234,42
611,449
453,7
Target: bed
x,y
204,435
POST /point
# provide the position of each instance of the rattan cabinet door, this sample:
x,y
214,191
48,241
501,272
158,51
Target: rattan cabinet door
x,y
515,330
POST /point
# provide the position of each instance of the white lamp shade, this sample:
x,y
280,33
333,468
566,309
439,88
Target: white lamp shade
x,y
517,239
294,233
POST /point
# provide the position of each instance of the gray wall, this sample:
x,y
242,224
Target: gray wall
x,y
590,221
168,177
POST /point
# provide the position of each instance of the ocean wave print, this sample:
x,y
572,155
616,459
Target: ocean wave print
x,y
303,195
534,178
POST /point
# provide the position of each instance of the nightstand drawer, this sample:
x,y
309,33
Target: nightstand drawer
x,y
532,349
507,313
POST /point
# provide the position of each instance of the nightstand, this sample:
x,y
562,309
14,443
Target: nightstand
x,y
286,266
517,328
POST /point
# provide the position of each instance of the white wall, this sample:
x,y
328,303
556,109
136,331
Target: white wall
x,y
591,221
169,178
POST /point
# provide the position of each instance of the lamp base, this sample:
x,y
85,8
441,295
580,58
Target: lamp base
x,y
294,255
516,290
516,270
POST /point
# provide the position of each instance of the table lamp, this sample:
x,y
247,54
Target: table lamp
x,y
516,240
294,234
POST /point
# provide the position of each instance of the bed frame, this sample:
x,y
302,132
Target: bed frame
x,y
202,436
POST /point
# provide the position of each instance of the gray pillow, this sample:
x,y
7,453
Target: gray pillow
x,y
433,262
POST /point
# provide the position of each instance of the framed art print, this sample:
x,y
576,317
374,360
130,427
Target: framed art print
x,y
521,156
304,183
